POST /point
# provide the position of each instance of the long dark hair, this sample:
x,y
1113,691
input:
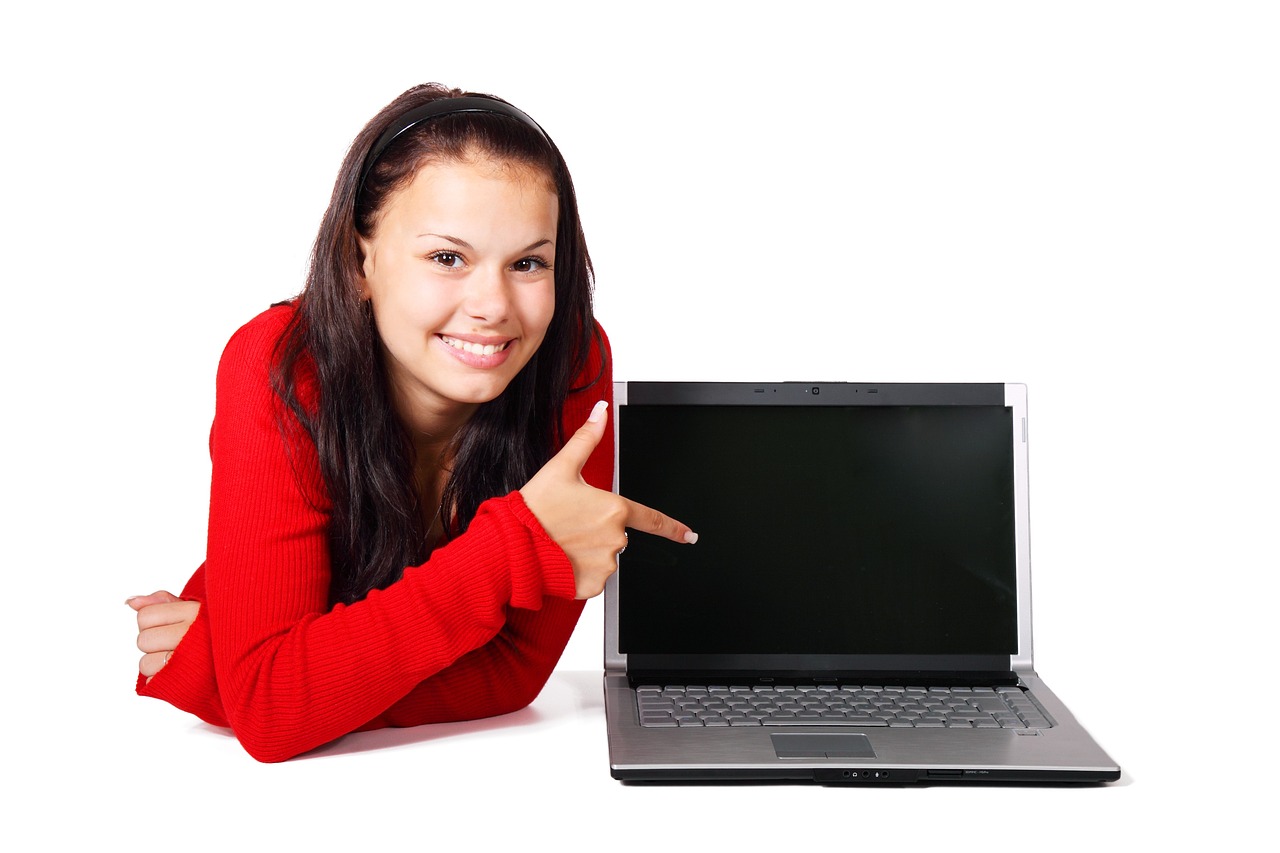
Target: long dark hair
x,y
366,456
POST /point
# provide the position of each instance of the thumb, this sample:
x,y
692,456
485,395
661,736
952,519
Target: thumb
x,y
578,449
138,602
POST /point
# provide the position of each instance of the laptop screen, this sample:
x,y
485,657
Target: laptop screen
x,y
825,530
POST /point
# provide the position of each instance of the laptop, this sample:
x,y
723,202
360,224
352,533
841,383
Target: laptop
x,y
857,609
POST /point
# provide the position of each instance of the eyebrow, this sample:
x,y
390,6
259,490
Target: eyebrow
x,y
458,241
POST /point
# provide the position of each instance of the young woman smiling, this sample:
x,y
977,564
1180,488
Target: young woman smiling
x,y
399,530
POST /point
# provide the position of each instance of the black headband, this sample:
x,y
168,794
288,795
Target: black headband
x,y
443,107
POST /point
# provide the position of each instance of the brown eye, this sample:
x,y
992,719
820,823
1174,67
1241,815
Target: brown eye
x,y
530,265
452,260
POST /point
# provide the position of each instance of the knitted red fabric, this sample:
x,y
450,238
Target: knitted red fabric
x,y
473,632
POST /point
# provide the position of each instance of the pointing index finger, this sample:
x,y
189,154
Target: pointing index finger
x,y
649,520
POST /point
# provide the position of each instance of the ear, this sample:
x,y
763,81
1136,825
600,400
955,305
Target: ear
x,y
366,265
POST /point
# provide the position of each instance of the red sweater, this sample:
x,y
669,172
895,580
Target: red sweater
x,y
473,632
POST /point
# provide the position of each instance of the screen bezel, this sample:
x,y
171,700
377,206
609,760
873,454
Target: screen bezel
x,y
924,668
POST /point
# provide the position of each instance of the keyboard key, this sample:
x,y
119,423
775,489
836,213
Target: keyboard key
x,y
776,721
990,704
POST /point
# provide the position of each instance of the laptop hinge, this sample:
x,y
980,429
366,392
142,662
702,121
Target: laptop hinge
x,y
883,678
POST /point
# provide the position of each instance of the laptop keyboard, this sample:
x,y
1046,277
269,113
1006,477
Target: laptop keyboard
x,y
828,705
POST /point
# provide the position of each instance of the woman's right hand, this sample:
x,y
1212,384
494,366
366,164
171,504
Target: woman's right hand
x,y
586,522
163,620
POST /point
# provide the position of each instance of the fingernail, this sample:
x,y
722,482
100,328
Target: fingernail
x,y
691,537
598,412
131,599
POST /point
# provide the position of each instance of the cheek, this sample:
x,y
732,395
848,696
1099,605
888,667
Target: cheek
x,y
537,307
409,308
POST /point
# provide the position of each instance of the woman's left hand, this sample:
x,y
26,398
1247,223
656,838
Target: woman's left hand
x,y
163,620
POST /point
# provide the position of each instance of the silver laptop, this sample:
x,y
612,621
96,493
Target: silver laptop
x,y
857,609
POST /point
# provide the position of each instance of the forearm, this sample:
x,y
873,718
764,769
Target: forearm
x,y
504,675
289,688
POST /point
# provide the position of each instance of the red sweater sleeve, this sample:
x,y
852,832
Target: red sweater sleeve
x,y
473,632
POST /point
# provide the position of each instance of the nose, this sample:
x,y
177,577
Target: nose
x,y
487,295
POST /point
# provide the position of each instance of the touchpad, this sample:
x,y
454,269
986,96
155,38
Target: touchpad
x,y
822,746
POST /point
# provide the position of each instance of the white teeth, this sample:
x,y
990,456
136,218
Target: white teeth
x,y
474,349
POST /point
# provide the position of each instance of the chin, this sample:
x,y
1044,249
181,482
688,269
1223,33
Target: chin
x,y
475,395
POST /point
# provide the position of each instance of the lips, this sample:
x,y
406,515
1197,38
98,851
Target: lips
x,y
478,351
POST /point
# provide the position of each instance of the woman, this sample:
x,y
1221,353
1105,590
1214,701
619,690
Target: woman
x,y
393,537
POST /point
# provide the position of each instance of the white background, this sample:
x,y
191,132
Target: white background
x,y
1083,196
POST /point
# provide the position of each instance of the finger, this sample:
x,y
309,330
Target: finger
x,y
152,663
578,449
138,602
162,639
641,517
167,614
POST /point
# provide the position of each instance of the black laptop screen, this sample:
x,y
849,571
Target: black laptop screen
x,y
824,530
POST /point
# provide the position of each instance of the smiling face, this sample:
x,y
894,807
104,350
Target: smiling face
x,y
458,272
